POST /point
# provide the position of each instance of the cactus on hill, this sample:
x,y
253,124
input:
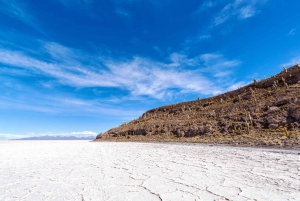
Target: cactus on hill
x,y
261,113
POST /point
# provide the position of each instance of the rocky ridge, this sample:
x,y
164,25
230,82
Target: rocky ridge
x,y
263,113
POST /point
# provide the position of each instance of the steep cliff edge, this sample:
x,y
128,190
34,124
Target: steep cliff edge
x,y
264,113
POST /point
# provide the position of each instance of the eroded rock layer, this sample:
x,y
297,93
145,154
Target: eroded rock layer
x,y
266,112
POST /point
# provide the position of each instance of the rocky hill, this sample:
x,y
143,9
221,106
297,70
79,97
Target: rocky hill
x,y
264,113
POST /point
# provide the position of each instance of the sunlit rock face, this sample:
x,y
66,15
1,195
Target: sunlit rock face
x,y
81,170
264,113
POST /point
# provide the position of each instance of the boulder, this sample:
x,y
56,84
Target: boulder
x,y
273,126
282,101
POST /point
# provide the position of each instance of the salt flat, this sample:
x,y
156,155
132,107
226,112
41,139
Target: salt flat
x,y
81,170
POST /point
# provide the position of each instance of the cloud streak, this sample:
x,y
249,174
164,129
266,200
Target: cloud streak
x,y
17,10
240,9
140,76
292,61
14,9
292,32
64,104
78,3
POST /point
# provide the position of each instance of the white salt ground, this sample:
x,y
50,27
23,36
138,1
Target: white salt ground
x,y
81,170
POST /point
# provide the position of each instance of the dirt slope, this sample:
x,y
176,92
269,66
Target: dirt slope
x,y
264,113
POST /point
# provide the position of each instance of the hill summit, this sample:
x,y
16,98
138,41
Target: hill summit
x,y
263,113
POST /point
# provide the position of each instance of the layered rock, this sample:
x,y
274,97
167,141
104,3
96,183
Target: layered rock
x,y
266,112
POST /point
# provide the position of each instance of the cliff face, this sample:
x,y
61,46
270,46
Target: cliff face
x,y
266,112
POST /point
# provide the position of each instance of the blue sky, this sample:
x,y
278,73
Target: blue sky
x,y
79,67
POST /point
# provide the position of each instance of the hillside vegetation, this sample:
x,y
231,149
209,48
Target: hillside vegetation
x,y
264,113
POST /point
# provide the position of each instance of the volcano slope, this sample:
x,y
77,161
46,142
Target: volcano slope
x,y
264,113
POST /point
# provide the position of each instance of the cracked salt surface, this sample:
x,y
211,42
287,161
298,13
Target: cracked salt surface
x,y
81,170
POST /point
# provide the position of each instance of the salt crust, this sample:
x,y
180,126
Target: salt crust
x,y
81,170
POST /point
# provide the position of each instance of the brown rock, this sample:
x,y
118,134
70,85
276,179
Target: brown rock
x,y
273,126
282,101
273,109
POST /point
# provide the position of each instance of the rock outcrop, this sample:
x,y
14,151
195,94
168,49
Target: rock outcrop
x,y
264,113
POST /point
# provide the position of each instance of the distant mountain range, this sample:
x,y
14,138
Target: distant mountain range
x,y
47,137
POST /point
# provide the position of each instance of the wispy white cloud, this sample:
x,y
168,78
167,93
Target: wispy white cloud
x,y
222,74
66,105
204,37
292,62
194,40
247,11
18,9
292,32
209,4
217,62
83,133
237,85
240,9
19,96
140,76
14,8
59,52
78,3
141,79
123,12
205,6
221,12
